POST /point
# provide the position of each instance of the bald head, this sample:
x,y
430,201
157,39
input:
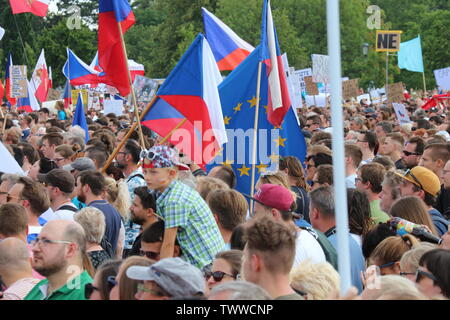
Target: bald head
x,y
66,230
14,255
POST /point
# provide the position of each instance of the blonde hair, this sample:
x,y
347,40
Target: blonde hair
x,y
118,195
410,259
207,184
394,287
392,249
316,279
93,222
279,178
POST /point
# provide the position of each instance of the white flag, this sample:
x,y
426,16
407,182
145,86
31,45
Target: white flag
x,y
2,33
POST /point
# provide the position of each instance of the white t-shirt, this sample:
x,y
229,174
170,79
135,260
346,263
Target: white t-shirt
x,y
307,247
49,215
350,181
64,214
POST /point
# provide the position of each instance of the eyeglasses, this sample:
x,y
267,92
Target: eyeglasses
x,y
386,265
141,287
413,176
358,179
407,153
420,274
150,254
45,242
217,275
89,289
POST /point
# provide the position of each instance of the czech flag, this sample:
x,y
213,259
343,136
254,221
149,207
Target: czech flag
x,y
29,104
191,92
228,49
111,54
40,78
36,7
67,95
433,102
78,72
2,91
279,101
135,69
12,101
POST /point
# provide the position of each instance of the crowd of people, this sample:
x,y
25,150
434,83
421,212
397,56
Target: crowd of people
x,y
152,225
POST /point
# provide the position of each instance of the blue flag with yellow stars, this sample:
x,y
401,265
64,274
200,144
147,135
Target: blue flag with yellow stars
x,y
238,99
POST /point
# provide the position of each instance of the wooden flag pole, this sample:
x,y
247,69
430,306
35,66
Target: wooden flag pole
x,y
133,94
255,136
130,131
424,83
172,131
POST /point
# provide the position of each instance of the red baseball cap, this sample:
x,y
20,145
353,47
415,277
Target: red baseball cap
x,y
274,196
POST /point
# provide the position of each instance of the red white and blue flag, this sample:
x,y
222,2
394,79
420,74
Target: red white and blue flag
x,y
228,48
78,72
67,95
9,63
279,101
191,92
30,103
36,7
2,91
111,55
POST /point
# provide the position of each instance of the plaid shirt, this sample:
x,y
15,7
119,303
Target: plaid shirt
x,y
198,234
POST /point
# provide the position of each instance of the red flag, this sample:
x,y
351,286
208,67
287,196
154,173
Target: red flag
x,y
36,7
111,53
2,91
40,79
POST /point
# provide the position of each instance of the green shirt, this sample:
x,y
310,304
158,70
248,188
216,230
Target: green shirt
x,y
198,234
376,213
72,290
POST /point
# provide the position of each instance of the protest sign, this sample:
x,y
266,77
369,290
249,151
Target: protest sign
x,y
145,88
113,106
364,96
311,87
320,68
301,74
443,78
18,82
350,89
53,94
388,40
319,100
401,113
296,87
395,92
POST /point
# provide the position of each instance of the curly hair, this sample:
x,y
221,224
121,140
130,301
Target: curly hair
x,y
358,212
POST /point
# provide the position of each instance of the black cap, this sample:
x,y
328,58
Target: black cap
x,y
59,178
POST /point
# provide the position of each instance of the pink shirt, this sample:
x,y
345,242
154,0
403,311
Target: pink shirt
x,y
34,273
19,289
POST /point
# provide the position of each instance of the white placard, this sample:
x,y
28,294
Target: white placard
x,y
375,96
300,75
2,33
296,103
443,78
320,68
319,100
8,163
113,106
401,113
364,96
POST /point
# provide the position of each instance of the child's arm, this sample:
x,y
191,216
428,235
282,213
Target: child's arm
x,y
168,244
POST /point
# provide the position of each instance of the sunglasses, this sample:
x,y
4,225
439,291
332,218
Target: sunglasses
x,y
407,153
420,274
89,290
150,254
408,172
217,275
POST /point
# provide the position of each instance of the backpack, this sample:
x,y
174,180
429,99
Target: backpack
x,y
328,249
107,247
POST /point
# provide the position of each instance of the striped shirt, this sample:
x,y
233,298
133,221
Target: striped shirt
x,y
19,289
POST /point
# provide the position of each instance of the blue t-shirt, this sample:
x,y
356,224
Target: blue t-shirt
x,y
112,219
356,260
439,221
61,115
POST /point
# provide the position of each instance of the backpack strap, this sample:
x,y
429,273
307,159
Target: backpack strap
x,y
136,175
68,208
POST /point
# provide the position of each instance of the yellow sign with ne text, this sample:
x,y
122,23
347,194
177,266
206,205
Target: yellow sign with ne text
x,y
388,40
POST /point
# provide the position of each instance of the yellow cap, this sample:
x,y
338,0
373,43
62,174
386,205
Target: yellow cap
x,y
424,178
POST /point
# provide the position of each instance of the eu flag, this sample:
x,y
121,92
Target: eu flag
x,y
238,99
80,118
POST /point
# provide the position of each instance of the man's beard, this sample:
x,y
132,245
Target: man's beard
x,y
137,220
120,165
47,271
81,197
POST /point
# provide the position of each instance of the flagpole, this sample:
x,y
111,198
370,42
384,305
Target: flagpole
x,y
21,40
255,134
130,131
424,83
172,131
133,94
387,77
340,190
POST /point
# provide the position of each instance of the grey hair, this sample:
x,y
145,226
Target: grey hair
x,y
410,259
78,131
11,178
359,120
323,199
93,222
241,290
